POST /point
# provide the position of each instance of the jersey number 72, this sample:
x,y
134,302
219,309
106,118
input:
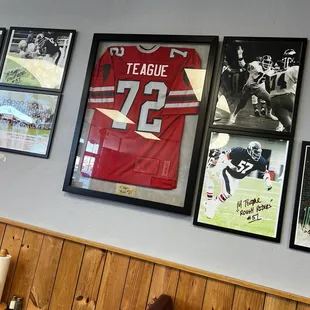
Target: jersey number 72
x,y
133,88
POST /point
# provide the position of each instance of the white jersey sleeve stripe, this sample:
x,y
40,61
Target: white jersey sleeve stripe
x,y
182,105
106,88
100,100
184,92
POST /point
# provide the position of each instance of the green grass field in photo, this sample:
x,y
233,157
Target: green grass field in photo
x,y
249,188
24,130
14,73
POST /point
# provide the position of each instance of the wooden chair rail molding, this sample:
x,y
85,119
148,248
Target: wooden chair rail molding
x,y
50,270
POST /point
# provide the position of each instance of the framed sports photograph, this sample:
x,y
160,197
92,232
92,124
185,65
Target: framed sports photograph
x,y
27,121
2,34
300,234
259,84
141,120
243,184
37,58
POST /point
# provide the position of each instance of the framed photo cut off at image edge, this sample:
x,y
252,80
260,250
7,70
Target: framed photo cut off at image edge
x,y
259,84
300,235
36,58
141,120
2,34
243,185
27,121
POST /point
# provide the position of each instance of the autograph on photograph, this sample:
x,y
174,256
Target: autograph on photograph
x,y
251,208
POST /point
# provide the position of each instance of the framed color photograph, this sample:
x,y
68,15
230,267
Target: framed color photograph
x,y
300,235
27,121
141,120
242,189
37,58
259,84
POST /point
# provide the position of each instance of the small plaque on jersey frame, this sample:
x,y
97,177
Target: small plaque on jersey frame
x,y
141,122
126,190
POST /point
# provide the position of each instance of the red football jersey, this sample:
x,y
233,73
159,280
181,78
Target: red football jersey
x,y
141,97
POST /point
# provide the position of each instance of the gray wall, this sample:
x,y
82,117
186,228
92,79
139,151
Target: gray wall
x,y
31,188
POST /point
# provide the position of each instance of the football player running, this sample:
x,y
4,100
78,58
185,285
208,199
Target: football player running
x,y
48,47
282,87
233,166
267,65
255,85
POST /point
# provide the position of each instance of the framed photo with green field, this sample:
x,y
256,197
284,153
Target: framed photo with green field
x,y
243,184
27,121
300,233
37,58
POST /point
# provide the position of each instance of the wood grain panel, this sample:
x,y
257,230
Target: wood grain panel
x,y
67,276
89,280
159,261
164,281
190,292
137,285
113,281
274,302
26,265
2,230
60,273
218,295
246,299
12,241
44,278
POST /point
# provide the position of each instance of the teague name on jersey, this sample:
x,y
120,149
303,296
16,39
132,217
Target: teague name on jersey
x,y
147,69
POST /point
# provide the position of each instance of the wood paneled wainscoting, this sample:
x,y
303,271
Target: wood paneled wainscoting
x,y
55,271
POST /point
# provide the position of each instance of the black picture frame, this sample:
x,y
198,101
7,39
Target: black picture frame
x,y
26,127
2,36
246,203
218,122
275,46
210,42
43,53
300,230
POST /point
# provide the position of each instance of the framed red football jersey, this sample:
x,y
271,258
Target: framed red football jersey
x,y
150,88
141,120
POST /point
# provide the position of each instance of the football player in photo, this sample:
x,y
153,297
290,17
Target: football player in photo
x,y
282,87
225,90
232,166
27,50
254,87
48,47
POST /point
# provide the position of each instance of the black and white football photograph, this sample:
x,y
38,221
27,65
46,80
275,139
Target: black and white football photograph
x,y
2,34
259,83
36,58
